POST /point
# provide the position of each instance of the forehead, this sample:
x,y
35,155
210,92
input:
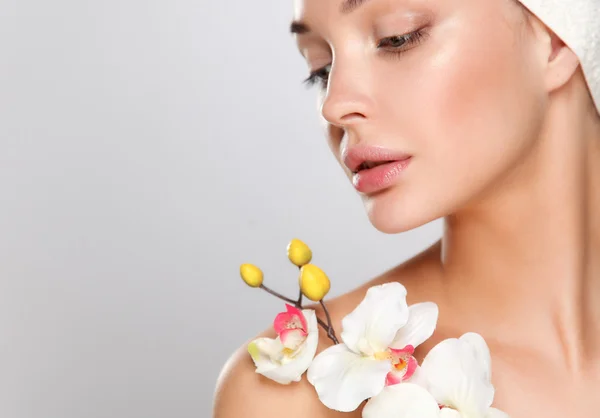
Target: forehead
x,y
324,10
304,7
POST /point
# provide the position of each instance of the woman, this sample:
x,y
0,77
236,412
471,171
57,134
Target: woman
x,y
477,112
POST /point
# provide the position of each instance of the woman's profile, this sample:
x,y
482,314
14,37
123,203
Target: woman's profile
x,y
485,113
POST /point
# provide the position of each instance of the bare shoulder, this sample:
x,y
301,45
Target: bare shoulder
x,y
242,392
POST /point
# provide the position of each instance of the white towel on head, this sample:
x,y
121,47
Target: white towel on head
x,y
577,23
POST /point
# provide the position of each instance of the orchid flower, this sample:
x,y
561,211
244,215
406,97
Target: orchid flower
x,y
454,381
285,359
379,338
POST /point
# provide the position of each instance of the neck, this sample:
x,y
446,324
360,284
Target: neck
x,y
526,257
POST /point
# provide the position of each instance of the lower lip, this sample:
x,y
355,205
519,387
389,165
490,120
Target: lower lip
x,y
378,178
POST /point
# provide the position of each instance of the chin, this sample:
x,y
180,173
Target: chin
x,y
391,213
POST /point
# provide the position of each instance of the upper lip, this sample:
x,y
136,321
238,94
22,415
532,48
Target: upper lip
x,y
355,156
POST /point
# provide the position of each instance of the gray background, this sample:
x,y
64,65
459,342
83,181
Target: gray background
x,y
147,150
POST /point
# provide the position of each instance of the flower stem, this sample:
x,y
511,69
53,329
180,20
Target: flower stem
x,y
265,288
300,293
330,331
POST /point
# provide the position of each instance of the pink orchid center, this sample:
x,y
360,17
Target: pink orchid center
x,y
291,327
404,364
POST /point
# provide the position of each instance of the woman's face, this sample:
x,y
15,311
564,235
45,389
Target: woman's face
x,y
450,91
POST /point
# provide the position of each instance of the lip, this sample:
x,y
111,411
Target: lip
x,y
378,178
354,156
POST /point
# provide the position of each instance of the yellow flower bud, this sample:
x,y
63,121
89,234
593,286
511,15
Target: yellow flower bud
x,y
299,253
314,283
252,275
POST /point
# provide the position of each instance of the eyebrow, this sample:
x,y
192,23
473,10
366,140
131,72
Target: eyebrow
x,y
299,27
347,6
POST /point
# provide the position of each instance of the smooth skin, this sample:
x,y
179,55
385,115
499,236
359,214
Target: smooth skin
x,y
505,141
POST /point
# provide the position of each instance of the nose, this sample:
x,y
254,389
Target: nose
x,y
347,100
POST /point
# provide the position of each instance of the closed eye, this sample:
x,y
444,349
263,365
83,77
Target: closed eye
x,y
401,43
394,45
320,75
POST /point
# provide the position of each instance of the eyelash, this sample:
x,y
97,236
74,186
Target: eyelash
x,y
410,39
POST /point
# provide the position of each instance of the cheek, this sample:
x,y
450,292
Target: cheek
x,y
478,103
469,114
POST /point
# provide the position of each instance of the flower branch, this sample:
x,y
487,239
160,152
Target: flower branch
x,y
314,283
330,330
280,296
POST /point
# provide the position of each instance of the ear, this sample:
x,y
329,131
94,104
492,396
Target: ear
x,y
562,64
559,62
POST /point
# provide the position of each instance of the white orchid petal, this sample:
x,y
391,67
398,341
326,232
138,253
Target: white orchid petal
x,y
343,379
480,351
456,377
405,400
422,320
266,349
449,413
496,413
271,361
418,378
267,354
371,327
292,338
